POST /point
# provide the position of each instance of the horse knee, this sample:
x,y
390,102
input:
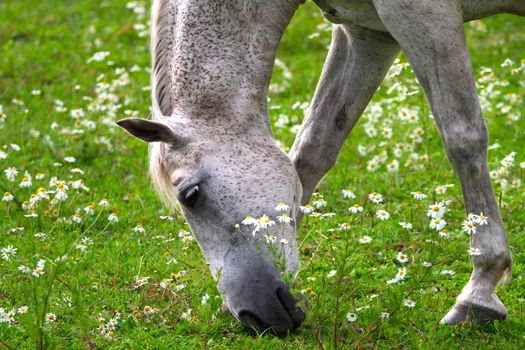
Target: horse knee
x,y
466,146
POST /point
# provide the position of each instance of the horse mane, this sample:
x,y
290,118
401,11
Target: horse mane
x,y
162,21
163,18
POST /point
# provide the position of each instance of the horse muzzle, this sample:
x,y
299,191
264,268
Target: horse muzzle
x,y
252,289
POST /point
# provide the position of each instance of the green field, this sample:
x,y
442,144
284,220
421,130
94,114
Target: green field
x,y
109,284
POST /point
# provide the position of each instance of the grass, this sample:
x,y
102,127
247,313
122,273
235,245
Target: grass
x,y
117,278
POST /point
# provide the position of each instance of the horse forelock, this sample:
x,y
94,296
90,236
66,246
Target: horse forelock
x,y
160,176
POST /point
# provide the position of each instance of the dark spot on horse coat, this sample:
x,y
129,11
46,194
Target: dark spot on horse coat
x,y
340,119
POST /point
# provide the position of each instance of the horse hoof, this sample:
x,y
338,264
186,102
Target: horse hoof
x,y
482,312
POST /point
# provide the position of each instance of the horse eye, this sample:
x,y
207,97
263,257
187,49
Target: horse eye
x,y
190,197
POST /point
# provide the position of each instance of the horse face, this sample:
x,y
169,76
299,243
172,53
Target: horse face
x,y
219,179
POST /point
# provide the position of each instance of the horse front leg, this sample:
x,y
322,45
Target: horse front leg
x,y
432,35
357,62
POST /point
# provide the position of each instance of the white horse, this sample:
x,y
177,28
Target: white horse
x,y
212,147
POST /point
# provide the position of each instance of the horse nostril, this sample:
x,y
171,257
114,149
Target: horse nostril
x,y
289,303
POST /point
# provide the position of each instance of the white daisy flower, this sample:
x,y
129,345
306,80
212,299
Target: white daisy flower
x,y
113,218
473,251
356,208
402,257
348,193
382,214
437,224
436,210
351,317
409,303
282,206
418,195
365,239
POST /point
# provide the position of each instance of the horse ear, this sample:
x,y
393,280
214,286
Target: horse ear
x,y
150,130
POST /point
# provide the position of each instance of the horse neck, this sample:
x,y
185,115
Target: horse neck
x,y
215,58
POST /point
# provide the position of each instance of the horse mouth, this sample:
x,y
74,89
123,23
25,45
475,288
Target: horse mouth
x,y
282,317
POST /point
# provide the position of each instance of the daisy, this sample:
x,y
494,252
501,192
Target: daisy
x,y
249,220
81,247
186,315
76,218
90,209
61,195
24,269
22,309
444,233
77,171
283,241
26,182
405,225
264,222
8,252
306,209
38,271
138,228
183,234
351,317
42,193
393,167
473,251
418,195
372,165
113,217
436,210
371,131
386,132
79,184
281,206
402,257
8,197
11,173
348,193
344,226
401,273
375,197
356,208
481,219
51,317
270,239
382,214
104,203
469,226
365,239
284,218
409,303
318,203
437,224
148,310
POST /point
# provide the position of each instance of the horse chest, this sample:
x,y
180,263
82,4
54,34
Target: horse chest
x,y
354,12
